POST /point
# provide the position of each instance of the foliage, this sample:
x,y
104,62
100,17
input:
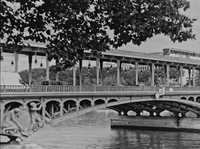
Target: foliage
x,y
89,76
69,27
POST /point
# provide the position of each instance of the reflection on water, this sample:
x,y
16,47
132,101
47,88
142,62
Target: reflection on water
x,y
92,130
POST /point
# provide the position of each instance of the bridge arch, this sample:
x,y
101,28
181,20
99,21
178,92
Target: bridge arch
x,y
191,98
112,100
11,105
26,102
69,105
183,98
50,100
114,105
99,101
53,108
85,103
198,99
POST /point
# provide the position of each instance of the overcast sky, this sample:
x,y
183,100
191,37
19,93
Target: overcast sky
x,y
155,44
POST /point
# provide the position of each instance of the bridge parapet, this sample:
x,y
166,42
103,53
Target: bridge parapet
x,y
67,88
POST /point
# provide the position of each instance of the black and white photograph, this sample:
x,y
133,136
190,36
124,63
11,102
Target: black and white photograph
x,y
100,74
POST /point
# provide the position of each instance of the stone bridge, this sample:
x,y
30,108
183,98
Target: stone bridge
x,y
62,106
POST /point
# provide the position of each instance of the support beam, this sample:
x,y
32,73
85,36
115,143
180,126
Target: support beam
x,y
167,74
43,111
194,77
97,69
74,75
136,73
181,76
118,72
101,72
57,72
61,108
30,69
189,76
47,68
152,74
16,57
164,77
2,112
80,73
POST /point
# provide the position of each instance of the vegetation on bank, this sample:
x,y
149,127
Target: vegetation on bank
x,y
109,76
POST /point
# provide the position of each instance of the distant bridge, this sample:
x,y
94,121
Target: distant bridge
x,y
60,106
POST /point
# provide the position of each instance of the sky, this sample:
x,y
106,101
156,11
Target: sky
x,y
155,44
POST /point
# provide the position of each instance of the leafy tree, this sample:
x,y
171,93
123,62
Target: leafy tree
x,y
69,27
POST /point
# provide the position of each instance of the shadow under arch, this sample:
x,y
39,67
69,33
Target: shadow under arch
x,y
11,105
85,103
52,109
69,105
183,98
198,99
191,98
99,101
112,100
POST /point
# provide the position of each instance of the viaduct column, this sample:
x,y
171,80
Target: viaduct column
x,y
74,75
80,73
2,111
101,71
181,76
97,67
118,72
152,74
194,77
167,74
16,61
136,73
30,69
57,72
189,76
47,68
164,77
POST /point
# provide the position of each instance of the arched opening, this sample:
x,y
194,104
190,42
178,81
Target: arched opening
x,y
145,113
11,105
112,100
183,98
69,105
85,103
198,99
191,98
99,101
132,113
53,109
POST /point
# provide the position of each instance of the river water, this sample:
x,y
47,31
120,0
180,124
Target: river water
x,y
92,131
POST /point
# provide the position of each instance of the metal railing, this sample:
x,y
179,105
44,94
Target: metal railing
x,y
67,88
